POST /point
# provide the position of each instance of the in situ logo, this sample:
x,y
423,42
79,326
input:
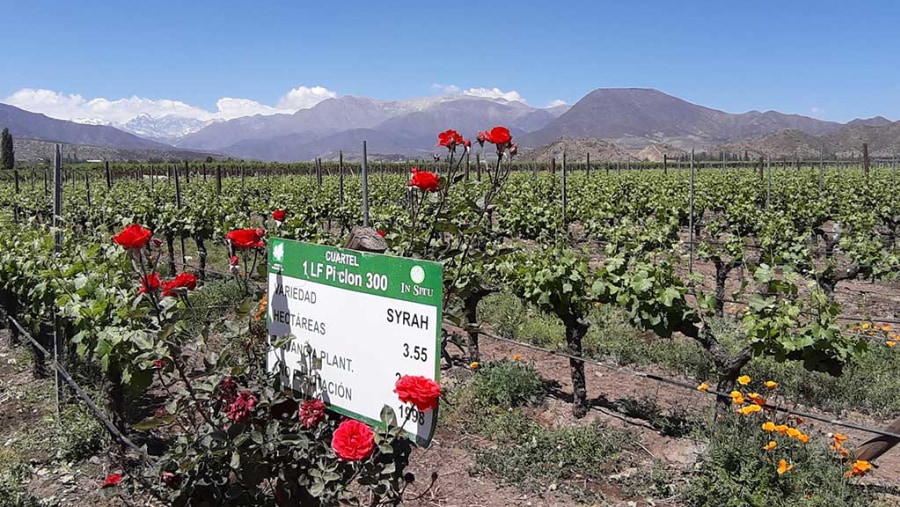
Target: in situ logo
x,y
417,276
278,252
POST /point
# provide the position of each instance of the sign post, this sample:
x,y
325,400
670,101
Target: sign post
x,y
349,324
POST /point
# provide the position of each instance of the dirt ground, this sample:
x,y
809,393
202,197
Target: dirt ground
x,y
451,453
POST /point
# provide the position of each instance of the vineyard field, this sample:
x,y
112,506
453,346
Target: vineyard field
x,y
613,334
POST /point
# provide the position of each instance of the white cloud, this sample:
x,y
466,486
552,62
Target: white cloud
x,y
557,102
816,110
449,89
304,97
495,93
74,106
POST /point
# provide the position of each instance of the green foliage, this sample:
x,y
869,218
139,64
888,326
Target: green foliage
x,y
79,436
736,472
507,383
556,280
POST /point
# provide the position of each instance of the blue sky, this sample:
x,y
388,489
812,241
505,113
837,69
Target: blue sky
x,y
828,59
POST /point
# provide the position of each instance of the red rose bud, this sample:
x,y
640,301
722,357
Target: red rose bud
x,y
424,180
133,236
481,139
112,480
183,281
149,283
353,441
381,233
467,143
170,479
159,364
279,215
513,150
234,261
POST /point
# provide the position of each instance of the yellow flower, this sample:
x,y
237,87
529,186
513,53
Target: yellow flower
x,y
737,397
743,380
771,445
703,387
890,343
782,429
794,432
771,384
886,328
474,365
768,426
803,438
749,409
784,467
517,357
866,325
859,468
838,438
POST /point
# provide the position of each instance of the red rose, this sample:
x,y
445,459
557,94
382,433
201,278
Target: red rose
x,y
311,413
112,480
239,410
381,233
246,238
422,392
149,283
467,143
424,180
353,441
498,135
279,215
449,138
133,236
183,281
159,364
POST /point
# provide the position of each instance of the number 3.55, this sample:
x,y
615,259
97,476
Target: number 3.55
x,y
418,353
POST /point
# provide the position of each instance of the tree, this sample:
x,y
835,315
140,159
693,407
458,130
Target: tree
x,y
7,153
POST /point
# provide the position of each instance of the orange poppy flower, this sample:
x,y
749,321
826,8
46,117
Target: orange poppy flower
x,y
794,432
743,380
474,365
768,426
756,398
737,398
890,343
703,387
771,384
781,429
771,445
803,438
517,357
839,437
783,467
858,468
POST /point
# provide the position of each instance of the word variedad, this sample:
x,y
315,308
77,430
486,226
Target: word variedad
x,y
296,293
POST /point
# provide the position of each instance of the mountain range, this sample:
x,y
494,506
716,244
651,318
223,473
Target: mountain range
x,y
632,122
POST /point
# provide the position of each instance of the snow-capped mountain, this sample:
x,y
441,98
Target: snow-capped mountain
x,y
165,128
91,121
